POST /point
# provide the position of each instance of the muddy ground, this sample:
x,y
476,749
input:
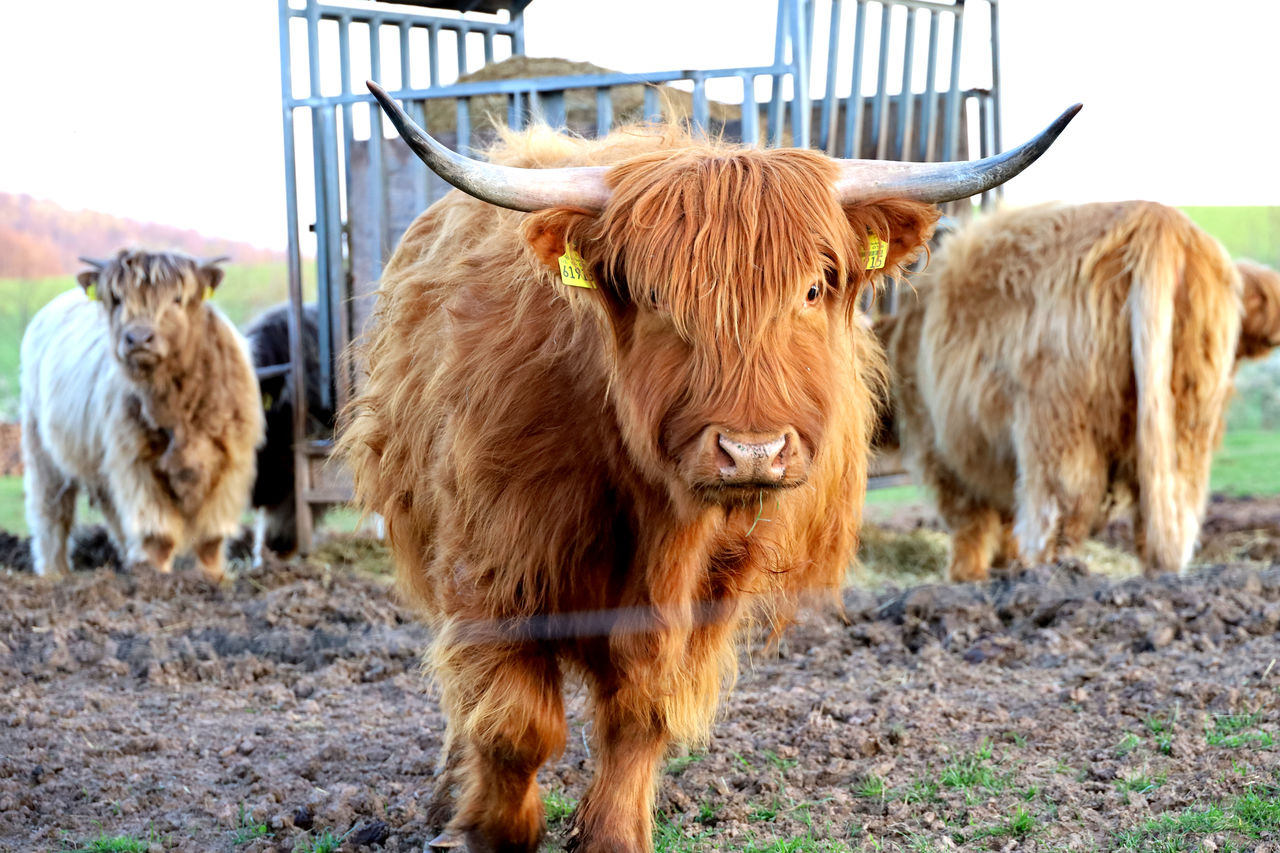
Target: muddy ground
x,y
1052,710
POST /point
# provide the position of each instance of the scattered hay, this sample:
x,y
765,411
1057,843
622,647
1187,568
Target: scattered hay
x,y
889,558
351,552
1108,560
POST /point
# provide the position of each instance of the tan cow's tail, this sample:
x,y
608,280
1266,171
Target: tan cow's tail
x,y
1155,265
1183,316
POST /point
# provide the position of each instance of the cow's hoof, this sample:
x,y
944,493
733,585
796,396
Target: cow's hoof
x,y
446,841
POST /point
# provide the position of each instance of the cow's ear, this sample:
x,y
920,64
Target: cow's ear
x,y
549,232
894,232
89,281
210,275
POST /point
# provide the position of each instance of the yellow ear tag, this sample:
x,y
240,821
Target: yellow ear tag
x,y
573,268
876,253
208,293
92,292
267,400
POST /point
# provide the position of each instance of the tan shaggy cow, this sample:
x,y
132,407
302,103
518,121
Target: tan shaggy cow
x,y
1057,363
140,392
609,479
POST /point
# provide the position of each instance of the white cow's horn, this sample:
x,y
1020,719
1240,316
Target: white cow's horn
x,y
505,186
861,180
585,187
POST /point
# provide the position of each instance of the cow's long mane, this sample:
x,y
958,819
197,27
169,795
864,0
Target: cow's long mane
x,y
737,208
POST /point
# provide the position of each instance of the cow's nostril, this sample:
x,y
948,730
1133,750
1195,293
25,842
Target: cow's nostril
x,y
724,461
750,459
138,337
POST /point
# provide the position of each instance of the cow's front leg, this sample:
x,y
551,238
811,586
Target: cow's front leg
x,y
151,551
211,555
506,717
631,735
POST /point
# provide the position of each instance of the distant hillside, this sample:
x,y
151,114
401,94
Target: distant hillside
x,y
39,238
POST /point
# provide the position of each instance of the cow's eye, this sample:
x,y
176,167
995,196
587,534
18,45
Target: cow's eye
x,y
177,300
815,291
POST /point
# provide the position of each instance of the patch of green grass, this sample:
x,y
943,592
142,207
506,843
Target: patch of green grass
x,y
924,789
873,787
1248,816
797,845
778,763
1019,825
558,805
973,771
1233,731
247,829
1139,783
680,763
1245,464
1245,231
112,844
1015,738
897,495
669,837
325,842
1161,729
12,514
765,812
1128,744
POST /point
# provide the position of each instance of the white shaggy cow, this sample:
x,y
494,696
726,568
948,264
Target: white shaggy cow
x,y
139,391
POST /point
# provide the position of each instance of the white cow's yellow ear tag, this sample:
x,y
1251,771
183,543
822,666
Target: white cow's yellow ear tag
x,y
208,293
573,268
876,253
92,292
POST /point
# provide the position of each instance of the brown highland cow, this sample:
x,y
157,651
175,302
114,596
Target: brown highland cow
x,y
609,480
1060,362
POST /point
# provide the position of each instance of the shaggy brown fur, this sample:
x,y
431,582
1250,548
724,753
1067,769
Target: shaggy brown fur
x,y
1058,362
1260,328
145,397
541,453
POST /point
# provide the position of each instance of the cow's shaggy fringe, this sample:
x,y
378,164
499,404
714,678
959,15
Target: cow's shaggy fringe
x,y
522,440
1056,363
168,455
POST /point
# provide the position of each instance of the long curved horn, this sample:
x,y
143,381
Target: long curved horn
x,y
505,186
862,180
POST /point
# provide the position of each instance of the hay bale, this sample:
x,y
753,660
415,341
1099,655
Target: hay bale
x,y
489,111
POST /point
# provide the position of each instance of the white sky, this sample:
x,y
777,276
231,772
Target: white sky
x,y
169,110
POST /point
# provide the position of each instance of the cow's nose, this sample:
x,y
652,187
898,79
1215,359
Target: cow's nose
x,y
138,336
753,458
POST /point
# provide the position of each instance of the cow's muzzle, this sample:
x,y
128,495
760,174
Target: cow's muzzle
x,y
730,460
139,347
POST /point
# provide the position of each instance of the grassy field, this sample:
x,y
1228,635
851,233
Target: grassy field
x,y
1246,232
